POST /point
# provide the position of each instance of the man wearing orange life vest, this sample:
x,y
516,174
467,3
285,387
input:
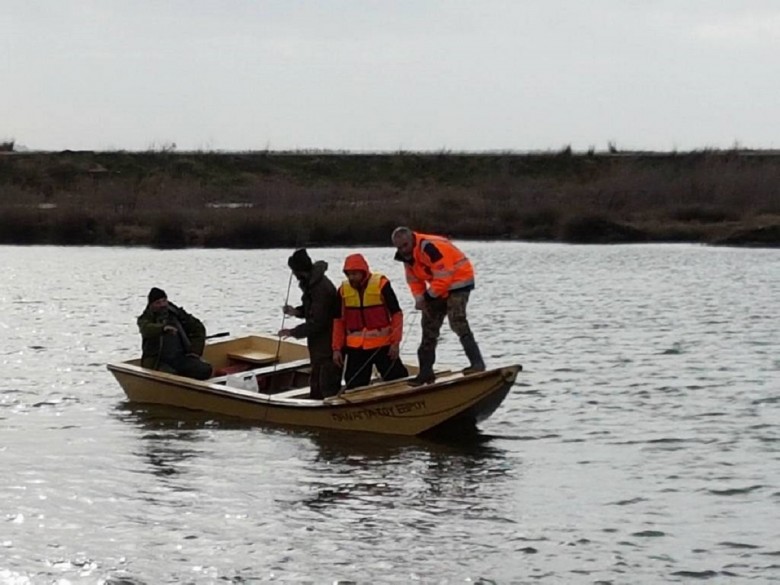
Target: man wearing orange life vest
x,y
440,277
368,331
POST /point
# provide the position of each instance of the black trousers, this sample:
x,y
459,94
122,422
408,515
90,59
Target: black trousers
x,y
189,366
325,379
360,363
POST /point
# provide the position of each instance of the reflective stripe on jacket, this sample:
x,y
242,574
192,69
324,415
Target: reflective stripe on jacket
x,y
367,321
437,261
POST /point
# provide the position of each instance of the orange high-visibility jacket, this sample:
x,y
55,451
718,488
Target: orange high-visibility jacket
x,y
366,321
440,264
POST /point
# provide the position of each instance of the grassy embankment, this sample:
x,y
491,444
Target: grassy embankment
x,y
253,200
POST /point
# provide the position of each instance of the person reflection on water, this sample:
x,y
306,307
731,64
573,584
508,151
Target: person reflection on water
x,y
172,339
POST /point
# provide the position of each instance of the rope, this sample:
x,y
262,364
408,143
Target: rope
x,y
367,363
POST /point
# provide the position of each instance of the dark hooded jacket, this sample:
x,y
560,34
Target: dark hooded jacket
x,y
320,305
192,333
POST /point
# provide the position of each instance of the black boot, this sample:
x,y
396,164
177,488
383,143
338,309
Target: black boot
x,y
426,375
472,352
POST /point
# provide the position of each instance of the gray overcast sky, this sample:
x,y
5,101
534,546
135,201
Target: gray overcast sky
x,y
390,74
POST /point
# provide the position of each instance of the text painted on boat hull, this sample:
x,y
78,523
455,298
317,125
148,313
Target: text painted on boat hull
x,y
380,411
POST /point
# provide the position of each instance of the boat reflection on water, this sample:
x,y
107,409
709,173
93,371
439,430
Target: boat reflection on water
x,y
351,448
163,418
342,468
171,438
421,471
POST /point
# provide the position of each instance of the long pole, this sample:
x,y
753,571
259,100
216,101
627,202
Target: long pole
x,y
284,315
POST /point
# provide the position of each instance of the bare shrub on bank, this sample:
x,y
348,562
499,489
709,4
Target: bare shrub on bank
x,y
246,200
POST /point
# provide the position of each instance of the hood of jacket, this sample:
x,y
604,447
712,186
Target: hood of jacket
x,y
318,270
356,262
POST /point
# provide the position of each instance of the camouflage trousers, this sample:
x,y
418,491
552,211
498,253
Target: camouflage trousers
x,y
454,308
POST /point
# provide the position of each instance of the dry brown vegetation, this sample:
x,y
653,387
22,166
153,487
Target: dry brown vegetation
x,y
250,200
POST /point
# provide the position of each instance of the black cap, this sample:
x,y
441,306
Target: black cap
x,y
300,261
156,294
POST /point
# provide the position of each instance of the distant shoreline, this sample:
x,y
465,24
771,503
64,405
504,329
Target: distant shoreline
x,y
166,199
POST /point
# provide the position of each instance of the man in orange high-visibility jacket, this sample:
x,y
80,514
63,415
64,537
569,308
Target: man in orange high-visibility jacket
x,y
369,329
440,277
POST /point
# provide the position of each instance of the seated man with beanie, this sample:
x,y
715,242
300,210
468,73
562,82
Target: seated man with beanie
x,y
172,339
320,304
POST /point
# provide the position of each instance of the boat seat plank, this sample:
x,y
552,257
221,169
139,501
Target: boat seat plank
x,y
276,369
294,393
283,367
252,356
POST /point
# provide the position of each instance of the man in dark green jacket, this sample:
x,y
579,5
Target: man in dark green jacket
x,y
320,304
172,339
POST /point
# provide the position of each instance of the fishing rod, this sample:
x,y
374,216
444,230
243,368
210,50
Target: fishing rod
x,y
284,316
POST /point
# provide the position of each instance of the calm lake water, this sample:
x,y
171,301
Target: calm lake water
x,y
641,444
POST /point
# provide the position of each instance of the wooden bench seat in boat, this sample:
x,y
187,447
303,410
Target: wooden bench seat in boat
x,y
294,393
253,356
285,367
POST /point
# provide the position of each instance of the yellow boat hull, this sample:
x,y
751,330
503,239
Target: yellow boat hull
x,y
454,400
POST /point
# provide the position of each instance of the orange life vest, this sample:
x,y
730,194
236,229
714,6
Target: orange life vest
x,y
366,319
